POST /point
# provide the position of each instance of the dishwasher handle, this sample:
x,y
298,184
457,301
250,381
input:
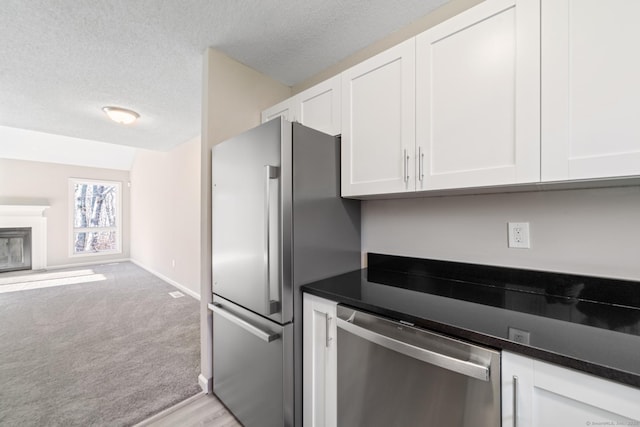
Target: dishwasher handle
x,y
437,359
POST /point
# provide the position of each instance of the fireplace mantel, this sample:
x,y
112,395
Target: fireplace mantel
x,y
13,215
22,210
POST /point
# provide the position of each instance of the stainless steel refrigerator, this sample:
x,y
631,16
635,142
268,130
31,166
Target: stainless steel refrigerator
x,y
278,223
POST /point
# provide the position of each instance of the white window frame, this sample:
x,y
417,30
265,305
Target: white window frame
x,y
73,230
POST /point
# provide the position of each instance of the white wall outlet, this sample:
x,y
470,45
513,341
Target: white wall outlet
x,y
173,263
519,336
518,235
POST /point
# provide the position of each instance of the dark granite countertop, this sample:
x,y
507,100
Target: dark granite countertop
x,y
587,323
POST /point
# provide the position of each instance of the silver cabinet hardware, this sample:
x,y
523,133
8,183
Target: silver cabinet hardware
x,y
515,401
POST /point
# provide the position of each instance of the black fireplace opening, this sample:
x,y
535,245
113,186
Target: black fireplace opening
x,y
15,249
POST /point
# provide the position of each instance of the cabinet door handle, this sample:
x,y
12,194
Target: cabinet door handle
x,y
327,325
405,158
420,164
515,401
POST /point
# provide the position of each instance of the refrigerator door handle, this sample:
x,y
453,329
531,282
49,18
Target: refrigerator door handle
x,y
263,335
271,306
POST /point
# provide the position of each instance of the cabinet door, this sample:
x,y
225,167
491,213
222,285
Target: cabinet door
x,y
549,395
319,106
590,89
282,109
378,123
478,97
319,362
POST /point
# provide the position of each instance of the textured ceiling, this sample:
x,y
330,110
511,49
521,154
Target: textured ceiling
x,y
62,60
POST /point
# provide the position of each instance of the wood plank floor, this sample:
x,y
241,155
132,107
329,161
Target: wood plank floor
x,y
202,410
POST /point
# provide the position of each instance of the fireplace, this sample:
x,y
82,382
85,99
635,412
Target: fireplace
x,y
29,252
15,249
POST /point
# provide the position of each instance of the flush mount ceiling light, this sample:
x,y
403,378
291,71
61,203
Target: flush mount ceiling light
x,y
121,115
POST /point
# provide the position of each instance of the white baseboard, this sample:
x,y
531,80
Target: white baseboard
x,y
168,280
206,384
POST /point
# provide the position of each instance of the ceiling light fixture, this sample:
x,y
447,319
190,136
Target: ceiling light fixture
x,y
121,115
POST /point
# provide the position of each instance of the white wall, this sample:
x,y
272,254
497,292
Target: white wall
x,y
24,182
165,214
592,232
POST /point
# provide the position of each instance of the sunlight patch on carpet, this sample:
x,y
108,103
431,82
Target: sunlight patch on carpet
x,y
32,276
50,283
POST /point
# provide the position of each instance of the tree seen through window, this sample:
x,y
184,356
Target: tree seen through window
x,y
95,222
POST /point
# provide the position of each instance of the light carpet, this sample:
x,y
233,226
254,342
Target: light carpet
x,y
109,351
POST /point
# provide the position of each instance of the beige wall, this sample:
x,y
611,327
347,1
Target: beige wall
x,y
593,232
234,95
24,181
446,11
165,214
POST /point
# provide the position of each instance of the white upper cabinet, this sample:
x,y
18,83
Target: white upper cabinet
x,y
507,92
282,109
478,97
319,106
378,123
590,89
539,394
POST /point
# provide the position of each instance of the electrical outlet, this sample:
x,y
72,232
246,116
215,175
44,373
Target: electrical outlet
x,y
518,233
519,336
173,263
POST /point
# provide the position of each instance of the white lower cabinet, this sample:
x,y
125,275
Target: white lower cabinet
x,y
319,362
534,393
540,394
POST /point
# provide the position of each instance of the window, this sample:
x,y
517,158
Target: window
x,y
96,222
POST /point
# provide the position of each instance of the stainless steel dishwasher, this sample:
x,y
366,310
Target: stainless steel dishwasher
x,y
393,374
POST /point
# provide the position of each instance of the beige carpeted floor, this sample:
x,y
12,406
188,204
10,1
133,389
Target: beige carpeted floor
x,y
100,345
